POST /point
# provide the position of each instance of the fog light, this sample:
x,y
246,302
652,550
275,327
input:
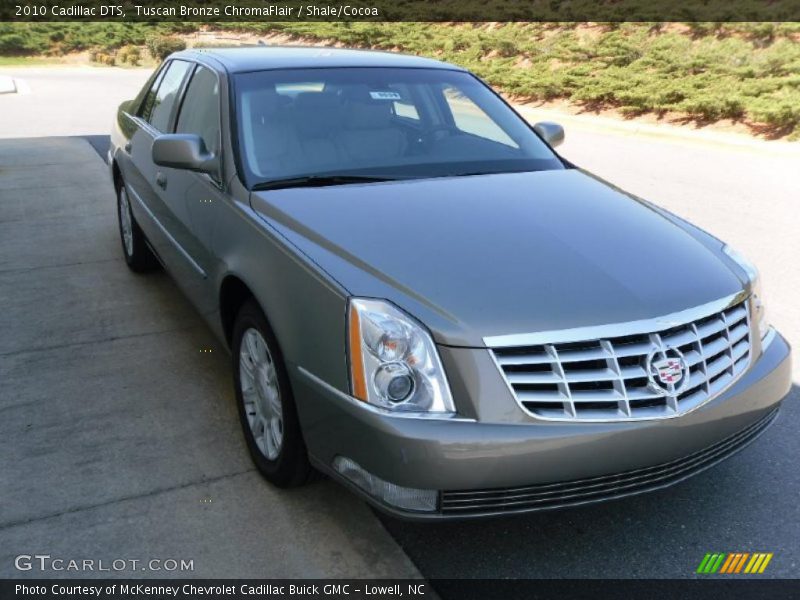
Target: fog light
x,y
395,495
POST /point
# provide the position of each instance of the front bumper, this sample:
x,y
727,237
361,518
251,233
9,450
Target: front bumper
x,y
468,458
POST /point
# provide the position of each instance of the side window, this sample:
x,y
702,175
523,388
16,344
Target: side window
x,y
150,98
200,110
167,94
470,118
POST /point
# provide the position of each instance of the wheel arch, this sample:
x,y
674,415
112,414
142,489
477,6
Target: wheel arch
x,y
233,293
116,175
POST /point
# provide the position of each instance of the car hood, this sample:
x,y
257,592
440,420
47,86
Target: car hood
x,y
489,255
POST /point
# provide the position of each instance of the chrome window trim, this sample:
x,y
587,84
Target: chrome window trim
x,y
598,332
168,235
645,326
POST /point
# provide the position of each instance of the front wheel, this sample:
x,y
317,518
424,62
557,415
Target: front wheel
x,y
137,253
266,407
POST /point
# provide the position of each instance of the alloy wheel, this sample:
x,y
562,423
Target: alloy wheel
x,y
126,221
261,393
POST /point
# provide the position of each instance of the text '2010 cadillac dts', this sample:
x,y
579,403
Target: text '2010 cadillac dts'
x,y
426,302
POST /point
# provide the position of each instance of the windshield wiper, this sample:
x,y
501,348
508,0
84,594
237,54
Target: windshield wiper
x,y
316,181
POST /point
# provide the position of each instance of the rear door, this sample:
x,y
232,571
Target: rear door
x,y
156,115
135,172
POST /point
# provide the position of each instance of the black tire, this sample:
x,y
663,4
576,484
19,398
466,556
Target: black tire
x,y
290,467
138,256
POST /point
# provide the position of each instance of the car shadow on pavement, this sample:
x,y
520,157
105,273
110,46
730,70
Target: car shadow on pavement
x,y
100,143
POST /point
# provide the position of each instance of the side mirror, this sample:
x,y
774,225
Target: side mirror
x,y
552,133
184,151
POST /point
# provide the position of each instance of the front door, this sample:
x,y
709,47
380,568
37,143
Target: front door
x,y
193,198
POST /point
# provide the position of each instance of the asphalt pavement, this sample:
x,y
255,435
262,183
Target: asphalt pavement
x,y
87,346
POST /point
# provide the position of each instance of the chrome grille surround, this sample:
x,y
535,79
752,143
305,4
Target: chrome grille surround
x,y
601,373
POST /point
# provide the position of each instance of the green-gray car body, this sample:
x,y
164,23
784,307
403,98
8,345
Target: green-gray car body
x,y
422,299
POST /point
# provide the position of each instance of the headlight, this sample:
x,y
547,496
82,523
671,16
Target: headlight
x,y
393,360
759,310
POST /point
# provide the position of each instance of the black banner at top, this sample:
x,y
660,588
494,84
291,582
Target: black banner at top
x,y
401,10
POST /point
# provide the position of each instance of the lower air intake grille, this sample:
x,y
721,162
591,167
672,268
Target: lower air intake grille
x,y
584,491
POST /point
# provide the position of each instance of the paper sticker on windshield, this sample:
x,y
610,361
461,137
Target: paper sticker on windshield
x,y
384,95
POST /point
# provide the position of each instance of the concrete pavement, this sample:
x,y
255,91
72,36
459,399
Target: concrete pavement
x,y
119,437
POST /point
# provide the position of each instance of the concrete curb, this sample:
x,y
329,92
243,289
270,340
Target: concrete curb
x,y
7,85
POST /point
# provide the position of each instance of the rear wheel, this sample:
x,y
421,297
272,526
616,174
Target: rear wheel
x,y
266,406
137,253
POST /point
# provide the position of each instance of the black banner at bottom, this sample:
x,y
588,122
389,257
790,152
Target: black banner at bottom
x,y
376,589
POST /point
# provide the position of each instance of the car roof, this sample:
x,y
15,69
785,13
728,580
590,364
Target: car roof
x,y
261,58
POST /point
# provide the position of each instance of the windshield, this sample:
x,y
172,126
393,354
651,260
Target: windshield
x,y
379,123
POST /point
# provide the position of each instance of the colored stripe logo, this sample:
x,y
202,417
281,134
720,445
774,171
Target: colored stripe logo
x,y
734,562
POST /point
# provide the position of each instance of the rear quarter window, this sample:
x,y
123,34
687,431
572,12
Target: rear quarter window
x,y
166,95
149,100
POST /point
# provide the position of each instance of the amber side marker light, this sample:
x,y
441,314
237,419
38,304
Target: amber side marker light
x,y
357,375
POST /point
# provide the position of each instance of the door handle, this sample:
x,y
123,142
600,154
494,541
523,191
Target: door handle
x,y
161,180
128,147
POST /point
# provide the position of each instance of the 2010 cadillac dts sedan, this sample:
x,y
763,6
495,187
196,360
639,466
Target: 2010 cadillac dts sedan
x,y
426,302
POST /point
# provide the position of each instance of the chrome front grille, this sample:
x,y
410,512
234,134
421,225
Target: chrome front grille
x,y
614,378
